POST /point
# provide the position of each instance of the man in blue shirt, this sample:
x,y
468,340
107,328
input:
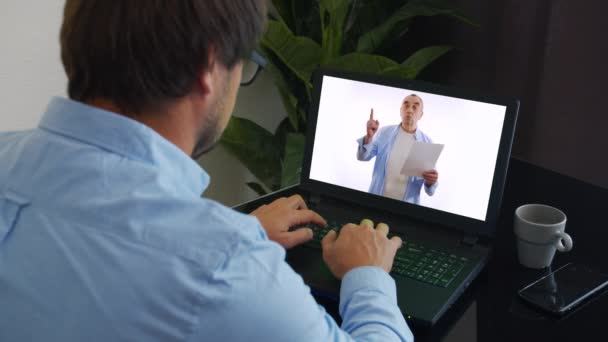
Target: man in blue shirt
x,y
390,145
103,233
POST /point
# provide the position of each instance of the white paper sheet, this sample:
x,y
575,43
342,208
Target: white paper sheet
x,y
422,157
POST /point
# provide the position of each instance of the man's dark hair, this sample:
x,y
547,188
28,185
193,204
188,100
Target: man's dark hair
x,y
140,54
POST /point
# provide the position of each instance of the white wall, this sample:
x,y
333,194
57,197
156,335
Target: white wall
x,y
31,73
30,64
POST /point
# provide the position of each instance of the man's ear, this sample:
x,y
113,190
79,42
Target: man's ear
x,y
206,77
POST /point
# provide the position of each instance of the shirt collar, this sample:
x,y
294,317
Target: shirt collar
x,y
417,134
124,136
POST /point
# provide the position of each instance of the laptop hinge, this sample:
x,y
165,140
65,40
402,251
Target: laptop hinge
x,y
469,240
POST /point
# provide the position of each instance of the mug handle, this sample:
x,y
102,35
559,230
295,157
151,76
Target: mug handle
x,y
564,242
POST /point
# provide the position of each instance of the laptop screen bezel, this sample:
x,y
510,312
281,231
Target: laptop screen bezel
x,y
454,221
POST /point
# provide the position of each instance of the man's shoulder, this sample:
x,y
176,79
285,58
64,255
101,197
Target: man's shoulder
x,y
12,135
422,136
9,139
133,201
11,144
387,130
389,127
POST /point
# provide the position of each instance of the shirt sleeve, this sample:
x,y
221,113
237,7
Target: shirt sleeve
x,y
430,190
368,306
256,296
367,151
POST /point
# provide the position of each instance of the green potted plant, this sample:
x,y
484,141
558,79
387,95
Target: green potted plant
x,y
355,35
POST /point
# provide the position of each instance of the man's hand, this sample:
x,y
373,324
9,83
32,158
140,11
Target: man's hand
x,y
278,216
372,127
430,177
359,245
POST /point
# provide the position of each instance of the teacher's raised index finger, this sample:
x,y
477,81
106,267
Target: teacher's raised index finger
x,y
371,114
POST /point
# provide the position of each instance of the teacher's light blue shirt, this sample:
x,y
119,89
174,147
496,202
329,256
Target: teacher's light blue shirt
x,y
380,147
104,237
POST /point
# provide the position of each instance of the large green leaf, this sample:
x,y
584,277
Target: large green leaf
x,y
333,14
299,15
301,55
257,187
290,102
254,146
363,62
292,161
285,10
419,60
364,16
373,39
280,134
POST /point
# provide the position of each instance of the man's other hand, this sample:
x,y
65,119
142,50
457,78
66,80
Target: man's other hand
x,y
358,246
372,127
430,177
278,216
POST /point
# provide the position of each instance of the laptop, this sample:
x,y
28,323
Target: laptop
x,y
447,234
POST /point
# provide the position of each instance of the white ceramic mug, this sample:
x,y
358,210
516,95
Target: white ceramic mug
x,y
540,231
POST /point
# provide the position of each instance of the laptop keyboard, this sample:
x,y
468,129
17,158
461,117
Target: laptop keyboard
x,y
413,260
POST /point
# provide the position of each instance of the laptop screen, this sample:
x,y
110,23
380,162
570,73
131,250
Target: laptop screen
x,y
412,144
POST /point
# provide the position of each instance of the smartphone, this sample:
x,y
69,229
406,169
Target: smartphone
x,y
564,288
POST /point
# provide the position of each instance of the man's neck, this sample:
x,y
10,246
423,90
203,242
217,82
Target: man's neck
x,y
170,124
412,131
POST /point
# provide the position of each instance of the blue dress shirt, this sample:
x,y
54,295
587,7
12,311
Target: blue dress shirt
x,y
104,237
380,147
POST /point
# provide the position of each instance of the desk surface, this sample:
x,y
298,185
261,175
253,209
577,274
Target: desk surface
x,y
490,309
501,316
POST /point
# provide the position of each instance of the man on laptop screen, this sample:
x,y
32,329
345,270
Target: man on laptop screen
x,y
391,146
468,131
